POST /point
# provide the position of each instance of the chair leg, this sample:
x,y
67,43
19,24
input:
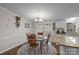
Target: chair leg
x,y
29,50
47,47
44,49
34,50
38,49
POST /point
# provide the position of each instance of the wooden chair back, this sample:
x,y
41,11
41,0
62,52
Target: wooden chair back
x,y
32,40
48,38
40,33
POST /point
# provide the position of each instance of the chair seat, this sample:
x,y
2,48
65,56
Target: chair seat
x,y
33,45
49,43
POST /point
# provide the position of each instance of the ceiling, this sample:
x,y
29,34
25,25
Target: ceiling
x,y
49,11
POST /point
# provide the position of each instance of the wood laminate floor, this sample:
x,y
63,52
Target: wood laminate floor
x,y
12,51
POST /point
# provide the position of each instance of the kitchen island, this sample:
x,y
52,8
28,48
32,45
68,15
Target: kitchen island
x,y
66,45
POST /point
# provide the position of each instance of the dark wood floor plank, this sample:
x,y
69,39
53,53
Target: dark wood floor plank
x,y
12,51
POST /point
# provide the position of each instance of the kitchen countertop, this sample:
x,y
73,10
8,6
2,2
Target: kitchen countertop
x,y
70,41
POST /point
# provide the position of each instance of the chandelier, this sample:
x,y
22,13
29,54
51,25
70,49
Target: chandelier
x,y
38,19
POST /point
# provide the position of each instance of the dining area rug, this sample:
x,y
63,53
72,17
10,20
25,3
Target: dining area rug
x,y
23,50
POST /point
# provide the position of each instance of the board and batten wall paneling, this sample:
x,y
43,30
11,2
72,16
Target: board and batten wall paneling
x,y
10,35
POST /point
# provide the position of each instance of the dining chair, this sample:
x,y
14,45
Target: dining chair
x,y
40,34
46,41
32,42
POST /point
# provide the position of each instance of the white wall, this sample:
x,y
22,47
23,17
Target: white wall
x,y
10,35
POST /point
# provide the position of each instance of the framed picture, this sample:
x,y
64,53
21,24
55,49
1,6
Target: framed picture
x,y
26,25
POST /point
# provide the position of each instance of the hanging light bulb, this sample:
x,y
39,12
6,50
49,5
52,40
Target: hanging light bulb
x,y
40,20
36,20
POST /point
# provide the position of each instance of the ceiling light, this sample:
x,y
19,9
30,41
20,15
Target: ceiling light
x,y
38,19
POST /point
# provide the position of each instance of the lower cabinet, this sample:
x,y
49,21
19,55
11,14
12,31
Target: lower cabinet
x,y
64,50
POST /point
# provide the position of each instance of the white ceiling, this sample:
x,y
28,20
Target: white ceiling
x,y
47,11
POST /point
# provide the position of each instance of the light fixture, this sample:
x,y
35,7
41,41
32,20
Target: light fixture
x,y
38,19
73,19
